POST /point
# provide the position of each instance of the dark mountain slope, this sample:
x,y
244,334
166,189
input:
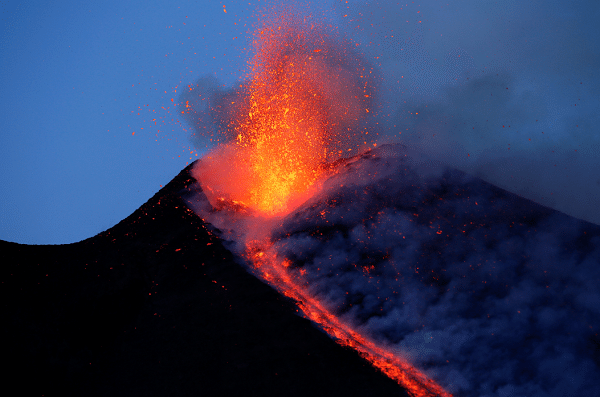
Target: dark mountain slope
x,y
156,306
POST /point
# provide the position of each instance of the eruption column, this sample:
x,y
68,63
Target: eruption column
x,y
305,104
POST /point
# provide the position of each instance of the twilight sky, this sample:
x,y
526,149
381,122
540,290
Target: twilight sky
x,y
82,82
506,90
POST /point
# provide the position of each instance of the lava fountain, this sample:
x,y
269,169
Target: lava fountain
x,y
307,105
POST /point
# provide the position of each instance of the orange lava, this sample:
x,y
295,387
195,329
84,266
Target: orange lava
x,y
306,96
275,271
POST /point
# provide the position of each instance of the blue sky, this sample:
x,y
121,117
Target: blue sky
x,y
82,83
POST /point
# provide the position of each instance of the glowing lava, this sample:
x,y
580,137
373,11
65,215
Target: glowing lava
x,y
305,106
302,108
275,271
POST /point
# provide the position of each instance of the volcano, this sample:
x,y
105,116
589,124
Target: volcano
x,y
482,291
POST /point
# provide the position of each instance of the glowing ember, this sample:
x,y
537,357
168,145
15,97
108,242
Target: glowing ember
x,y
302,107
305,106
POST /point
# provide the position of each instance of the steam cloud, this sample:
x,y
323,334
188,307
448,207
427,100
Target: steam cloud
x,y
489,293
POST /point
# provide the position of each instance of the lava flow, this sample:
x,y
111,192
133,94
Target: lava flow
x,y
274,271
306,105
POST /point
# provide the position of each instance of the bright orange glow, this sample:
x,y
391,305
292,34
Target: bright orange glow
x,y
305,94
284,130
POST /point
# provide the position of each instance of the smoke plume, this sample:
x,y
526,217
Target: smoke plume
x,y
507,91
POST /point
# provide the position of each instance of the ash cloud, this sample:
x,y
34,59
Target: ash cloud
x,y
507,91
489,293
208,109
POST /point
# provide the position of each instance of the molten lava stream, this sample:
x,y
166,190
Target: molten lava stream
x,y
275,271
